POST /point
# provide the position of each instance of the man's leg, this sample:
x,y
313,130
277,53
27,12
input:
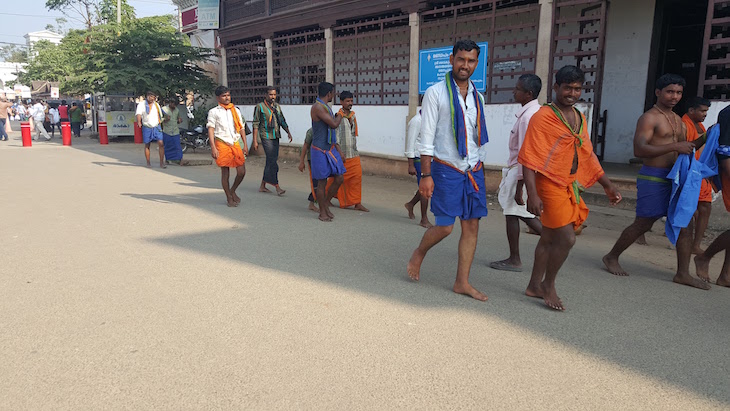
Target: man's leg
x,y
684,253
467,247
147,154
702,261
3,133
324,212
551,252
161,150
240,174
275,168
41,130
431,237
269,153
513,263
225,175
424,212
640,226
702,219
411,204
533,223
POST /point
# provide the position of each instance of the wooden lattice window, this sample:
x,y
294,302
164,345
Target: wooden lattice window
x,y
299,65
246,64
234,10
509,27
371,59
715,68
279,5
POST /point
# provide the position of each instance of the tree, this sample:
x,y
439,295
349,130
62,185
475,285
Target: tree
x,y
13,54
50,62
92,12
59,28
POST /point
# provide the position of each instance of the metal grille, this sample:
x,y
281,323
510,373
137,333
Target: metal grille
x,y
238,10
246,64
371,58
578,37
509,27
715,68
299,65
278,5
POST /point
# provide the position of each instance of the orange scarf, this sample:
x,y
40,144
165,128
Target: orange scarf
x,y
234,114
351,117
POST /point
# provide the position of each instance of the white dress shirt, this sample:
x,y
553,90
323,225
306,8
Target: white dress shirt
x,y
222,122
414,131
38,112
151,119
437,135
517,135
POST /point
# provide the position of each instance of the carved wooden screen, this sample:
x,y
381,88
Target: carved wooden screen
x,y
510,28
246,64
715,69
371,58
299,65
236,10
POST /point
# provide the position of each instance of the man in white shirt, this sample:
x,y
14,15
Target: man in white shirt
x,y
38,112
454,134
414,169
225,130
149,115
512,189
55,120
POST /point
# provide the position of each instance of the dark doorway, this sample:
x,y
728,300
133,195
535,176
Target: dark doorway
x,y
677,41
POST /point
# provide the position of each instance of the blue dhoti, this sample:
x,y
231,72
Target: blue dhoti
x,y
326,164
173,149
653,192
457,193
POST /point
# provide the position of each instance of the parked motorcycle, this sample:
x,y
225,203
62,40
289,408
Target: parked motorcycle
x,y
197,138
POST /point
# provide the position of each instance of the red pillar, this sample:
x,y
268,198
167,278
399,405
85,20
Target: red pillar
x,y
103,135
25,133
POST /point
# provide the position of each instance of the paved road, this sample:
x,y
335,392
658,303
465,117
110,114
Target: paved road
x,y
129,288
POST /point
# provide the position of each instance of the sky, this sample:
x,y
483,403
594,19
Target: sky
x,y
15,22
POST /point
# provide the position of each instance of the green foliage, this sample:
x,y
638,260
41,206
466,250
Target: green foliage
x,y
200,115
92,12
51,62
108,12
13,54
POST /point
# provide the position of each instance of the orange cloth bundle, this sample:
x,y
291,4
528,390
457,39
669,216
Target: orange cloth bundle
x,y
692,135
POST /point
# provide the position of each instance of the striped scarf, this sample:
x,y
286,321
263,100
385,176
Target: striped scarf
x,y
350,117
271,116
458,119
331,134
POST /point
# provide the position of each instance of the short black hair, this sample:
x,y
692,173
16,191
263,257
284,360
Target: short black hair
x,y
466,45
220,90
346,94
63,101
669,79
696,102
270,88
73,104
570,74
531,83
325,88
150,93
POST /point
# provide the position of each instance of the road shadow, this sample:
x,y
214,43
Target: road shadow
x,y
643,323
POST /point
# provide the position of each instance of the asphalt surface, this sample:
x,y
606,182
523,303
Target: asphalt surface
x,y
124,287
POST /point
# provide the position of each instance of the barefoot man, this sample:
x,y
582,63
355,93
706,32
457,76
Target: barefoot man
x,y
149,118
413,138
268,120
660,137
696,113
350,192
558,161
512,186
326,155
722,242
308,154
225,125
453,134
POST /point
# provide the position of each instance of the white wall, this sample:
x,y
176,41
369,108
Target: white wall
x,y
383,128
714,111
626,67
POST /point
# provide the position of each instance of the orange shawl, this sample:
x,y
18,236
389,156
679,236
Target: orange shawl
x,y
234,113
549,148
692,133
350,117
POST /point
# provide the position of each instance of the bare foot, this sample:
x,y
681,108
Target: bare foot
x,y
552,300
723,282
163,165
313,207
534,291
236,198
324,217
329,213
641,240
409,207
472,292
361,207
425,223
149,165
697,250
613,266
264,190
231,202
702,266
280,192
414,265
579,230
692,282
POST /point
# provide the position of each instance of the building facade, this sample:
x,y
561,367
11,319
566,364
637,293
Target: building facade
x,y
371,48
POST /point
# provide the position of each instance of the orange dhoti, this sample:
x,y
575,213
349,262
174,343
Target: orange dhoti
x,y
560,206
229,156
350,192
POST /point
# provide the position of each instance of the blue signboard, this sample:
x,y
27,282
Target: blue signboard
x,y
433,64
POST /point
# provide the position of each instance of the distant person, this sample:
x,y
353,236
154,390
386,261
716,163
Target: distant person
x,y
75,115
697,108
171,131
268,120
350,192
306,152
149,116
4,106
55,121
63,111
38,112
413,135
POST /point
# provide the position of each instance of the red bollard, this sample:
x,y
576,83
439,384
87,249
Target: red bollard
x,y
137,134
25,133
66,133
103,134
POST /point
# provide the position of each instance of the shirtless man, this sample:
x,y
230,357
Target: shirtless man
x,y
697,108
326,155
660,136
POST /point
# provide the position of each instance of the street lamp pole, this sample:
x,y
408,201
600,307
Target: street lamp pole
x,y
119,11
